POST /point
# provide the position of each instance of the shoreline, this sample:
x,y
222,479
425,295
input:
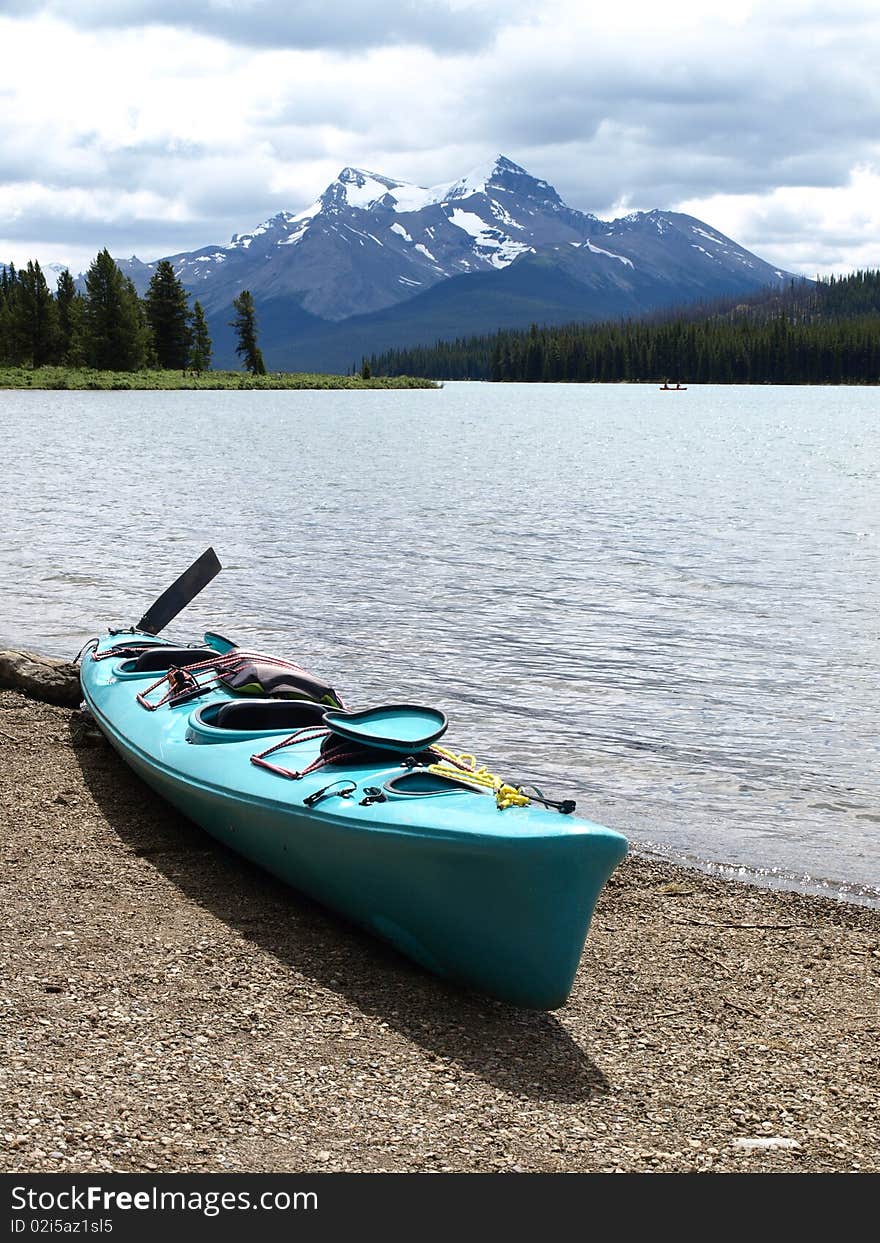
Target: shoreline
x,y
42,676
84,379
168,1007
847,893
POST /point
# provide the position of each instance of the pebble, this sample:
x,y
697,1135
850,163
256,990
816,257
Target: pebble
x,y
765,1142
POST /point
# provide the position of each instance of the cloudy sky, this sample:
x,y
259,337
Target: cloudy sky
x,y
155,127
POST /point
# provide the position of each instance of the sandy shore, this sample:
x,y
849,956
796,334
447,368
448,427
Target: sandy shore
x,y
165,1006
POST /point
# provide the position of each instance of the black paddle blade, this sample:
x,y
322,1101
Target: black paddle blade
x,y
179,594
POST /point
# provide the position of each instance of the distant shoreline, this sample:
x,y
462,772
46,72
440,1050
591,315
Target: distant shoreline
x,y
86,378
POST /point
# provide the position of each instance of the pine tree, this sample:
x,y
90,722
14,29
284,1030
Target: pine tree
x,y
135,317
200,356
70,311
115,332
36,316
245,325
12,342
168,315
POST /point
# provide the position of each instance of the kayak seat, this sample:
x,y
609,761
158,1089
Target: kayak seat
x,y
163,658
254,714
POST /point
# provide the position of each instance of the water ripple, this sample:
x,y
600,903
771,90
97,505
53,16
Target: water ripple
x,y
669,613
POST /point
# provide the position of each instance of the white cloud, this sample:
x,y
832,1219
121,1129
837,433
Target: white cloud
x,y
815,230
348,24
155,128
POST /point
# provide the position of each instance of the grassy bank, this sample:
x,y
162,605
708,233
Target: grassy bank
x,y
88,378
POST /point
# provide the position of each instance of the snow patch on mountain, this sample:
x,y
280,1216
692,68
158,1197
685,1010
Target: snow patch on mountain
x,y
475,182
597,250
499,212
713,237
362,188
365,190
307,213
297,234
474,225
487,238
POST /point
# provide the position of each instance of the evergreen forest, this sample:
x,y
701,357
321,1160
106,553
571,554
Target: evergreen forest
x,y
106,326
822,332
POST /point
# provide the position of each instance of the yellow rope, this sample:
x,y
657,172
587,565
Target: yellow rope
x,y
464,768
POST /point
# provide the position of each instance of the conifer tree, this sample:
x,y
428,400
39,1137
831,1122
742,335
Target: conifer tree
x,y
140,340
168,315
11,345
115,332
36,317
200,355
245,325
69,305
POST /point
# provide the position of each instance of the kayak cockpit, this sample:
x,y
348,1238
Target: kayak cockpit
x,y
235,719
160,659
251,714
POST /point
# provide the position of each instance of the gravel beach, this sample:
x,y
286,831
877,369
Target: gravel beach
x,y
164,1006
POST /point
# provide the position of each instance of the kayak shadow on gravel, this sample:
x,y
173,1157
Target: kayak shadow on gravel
x,y
521,1051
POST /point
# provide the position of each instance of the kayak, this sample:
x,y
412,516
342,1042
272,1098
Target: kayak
x,y
485,882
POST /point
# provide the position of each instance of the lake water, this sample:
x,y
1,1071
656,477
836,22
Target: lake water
x,y
666,606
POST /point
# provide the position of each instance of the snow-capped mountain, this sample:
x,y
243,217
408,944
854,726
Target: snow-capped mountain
x,y
371,243
52,271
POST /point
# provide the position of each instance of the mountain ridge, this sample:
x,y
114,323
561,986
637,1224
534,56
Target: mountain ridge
x,y
371,245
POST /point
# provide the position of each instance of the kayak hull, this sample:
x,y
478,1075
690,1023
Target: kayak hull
x,y
498,901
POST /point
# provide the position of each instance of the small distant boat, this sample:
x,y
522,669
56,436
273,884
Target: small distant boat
x,y
673,388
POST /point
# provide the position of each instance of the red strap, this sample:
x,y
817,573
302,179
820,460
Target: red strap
x,y
333,755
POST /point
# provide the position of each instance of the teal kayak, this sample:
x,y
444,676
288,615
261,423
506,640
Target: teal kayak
x,y
475,879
